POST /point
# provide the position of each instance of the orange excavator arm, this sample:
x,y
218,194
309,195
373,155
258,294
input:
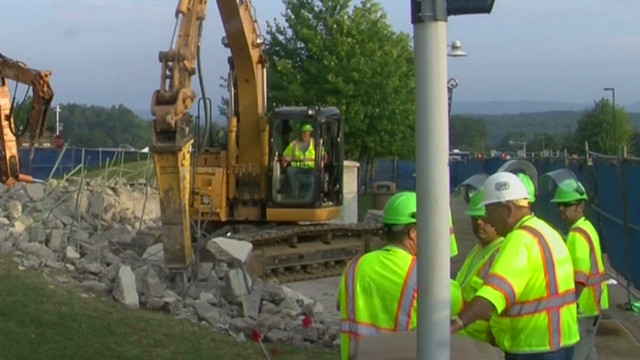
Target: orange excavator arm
x,y
42,97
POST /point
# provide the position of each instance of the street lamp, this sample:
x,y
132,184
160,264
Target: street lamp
x,y
452,83
456,49
615,127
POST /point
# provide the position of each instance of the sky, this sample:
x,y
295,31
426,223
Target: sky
x,y
105,52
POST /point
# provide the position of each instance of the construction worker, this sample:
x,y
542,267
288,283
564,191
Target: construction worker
x,y
301,155
477,264
584,246
378,291
529,290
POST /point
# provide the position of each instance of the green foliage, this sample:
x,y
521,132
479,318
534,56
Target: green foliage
x,y
598,128
467,133
95,126
327,54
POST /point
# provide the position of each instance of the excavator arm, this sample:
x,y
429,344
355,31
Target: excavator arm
x,y
42,97
171,141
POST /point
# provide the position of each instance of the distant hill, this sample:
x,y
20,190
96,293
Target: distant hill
x,y
512,107
552,122
635,107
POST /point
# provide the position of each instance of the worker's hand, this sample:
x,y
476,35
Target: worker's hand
x,y
456,324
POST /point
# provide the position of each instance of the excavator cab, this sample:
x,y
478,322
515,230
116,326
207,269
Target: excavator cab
x,y
306,158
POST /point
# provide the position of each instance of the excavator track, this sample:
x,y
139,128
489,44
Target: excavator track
x,y
292,253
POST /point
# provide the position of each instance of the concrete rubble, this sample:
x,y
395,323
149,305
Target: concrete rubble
x,y
95,234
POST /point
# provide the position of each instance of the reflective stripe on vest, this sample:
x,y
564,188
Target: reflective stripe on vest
x,y
552,303
596,275
303,159
404,312
484,271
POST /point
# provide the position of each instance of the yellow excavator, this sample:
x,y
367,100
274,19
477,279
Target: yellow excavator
x,y
245,190
9,135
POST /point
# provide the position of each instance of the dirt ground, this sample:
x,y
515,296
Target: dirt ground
x,y
618,336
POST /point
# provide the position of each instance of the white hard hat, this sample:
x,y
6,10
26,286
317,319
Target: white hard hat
x,y
502,187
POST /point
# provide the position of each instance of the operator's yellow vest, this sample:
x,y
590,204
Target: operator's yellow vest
x,y
584,246
471,276
531,285
378,293
299,159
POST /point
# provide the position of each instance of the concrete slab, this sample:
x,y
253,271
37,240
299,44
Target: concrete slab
x,y
323,290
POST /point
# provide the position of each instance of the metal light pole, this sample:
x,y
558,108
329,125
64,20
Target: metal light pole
x,y
429,19
615,126
58,119
524,146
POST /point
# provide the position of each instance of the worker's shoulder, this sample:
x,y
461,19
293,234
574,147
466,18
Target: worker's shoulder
x,y
535,228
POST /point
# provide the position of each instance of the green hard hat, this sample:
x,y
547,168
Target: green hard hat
x,y
531,188
475,207
401,209
570,191
306,127
456,298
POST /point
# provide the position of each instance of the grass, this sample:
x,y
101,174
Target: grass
x,y
129,170
43,321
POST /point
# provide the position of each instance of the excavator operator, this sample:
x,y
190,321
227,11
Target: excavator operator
x,y
301,155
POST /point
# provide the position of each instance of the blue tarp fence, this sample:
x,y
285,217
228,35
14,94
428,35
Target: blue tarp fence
x,y
611,184
51,162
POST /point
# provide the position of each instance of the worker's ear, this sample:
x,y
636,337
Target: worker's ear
x,y
413,233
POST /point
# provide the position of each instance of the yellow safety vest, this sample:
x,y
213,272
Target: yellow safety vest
x,y
584,246
452,237
300,159
378,293
471,277
532,288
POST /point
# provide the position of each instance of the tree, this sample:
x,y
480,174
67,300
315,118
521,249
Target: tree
x,y
467,133
544,141
326,54
505,143
597,127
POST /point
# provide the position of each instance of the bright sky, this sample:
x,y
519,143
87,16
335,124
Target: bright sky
x,y
105,52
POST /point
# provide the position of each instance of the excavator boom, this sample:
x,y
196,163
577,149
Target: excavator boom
x,y
42,97
246,190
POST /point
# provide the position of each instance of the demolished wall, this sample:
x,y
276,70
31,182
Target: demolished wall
x,y
105,237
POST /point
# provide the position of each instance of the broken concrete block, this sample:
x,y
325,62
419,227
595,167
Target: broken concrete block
x,y
94,286
252,301
273,292
231,251
39,250
35,191
215,317
15,209
70,254
154,253
56,239
125,290
238,283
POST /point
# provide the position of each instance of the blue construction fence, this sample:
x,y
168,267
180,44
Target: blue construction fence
x,y
44,163
614,197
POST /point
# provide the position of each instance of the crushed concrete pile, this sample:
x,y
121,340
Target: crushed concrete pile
x,y
105,237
